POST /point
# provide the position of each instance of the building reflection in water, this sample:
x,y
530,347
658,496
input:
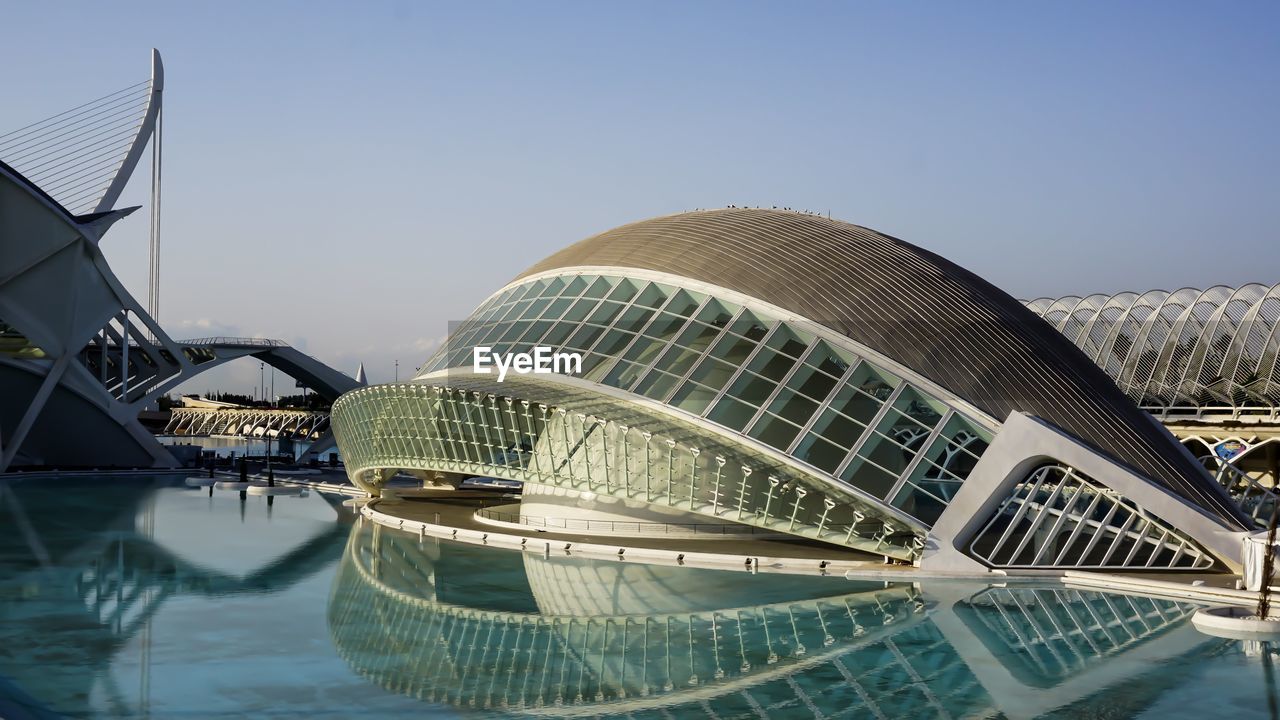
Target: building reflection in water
x,y
518,632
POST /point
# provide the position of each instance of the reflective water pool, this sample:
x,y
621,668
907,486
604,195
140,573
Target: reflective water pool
x,y
138,598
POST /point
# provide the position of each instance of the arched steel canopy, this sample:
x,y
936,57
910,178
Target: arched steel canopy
x,y
914,306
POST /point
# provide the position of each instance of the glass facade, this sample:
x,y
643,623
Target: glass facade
x,y
601,446
736,367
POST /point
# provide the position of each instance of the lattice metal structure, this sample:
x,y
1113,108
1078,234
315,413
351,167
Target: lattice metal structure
x,y
572,647
1054,634
250,422
1181,352
1058,518
612,451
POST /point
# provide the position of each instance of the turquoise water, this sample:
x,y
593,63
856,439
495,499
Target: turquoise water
x,y
138,598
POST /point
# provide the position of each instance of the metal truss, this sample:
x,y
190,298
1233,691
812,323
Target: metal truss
x,y
425,427
248,422
1058,518
1182,351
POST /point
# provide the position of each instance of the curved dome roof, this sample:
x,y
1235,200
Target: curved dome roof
x,y
916,307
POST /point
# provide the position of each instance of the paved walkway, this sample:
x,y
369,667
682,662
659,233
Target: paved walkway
x,y
457,508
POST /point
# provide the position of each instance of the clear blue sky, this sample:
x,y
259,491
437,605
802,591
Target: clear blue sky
x,y
351,178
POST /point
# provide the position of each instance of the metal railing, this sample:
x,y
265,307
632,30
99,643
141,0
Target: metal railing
x,y
254,342
619,526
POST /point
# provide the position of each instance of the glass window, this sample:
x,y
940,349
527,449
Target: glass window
x,y
731,413
556,308
774,431
820,453
583,337
920,503
693,398
552,288
829,360
624,291
717,313
657,384
665,326
794,407
856,404
559,331
869,478
574,287
750,326
752,388
837,428
732,349
644,349
598,288
613,342
873,381
605,312
812,383
713,373
683,303
580,310
624,374
634,318
654,295
919,407
771,364
789,341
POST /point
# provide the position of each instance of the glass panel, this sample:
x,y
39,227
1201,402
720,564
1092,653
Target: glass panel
x,y
796,408
788,340
751,327
771,365
574,287
811,382
838,429
732,349
582,339
732,414
717,313
683,303
624,291
654,295
624,374
557,308
605,313
613,342
693,398
580,310
553,287
634,318
657,384
830,360
855,404
820,453
665,326
865,476
752,388
599,288
774,431
919,503
559,331
713,373
919,407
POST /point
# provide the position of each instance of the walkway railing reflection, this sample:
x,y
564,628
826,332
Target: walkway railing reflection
x,y
620,526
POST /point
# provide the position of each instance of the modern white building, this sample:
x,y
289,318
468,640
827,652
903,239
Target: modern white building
x,y
782,372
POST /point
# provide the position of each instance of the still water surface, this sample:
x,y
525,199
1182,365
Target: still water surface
x,y
138,598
